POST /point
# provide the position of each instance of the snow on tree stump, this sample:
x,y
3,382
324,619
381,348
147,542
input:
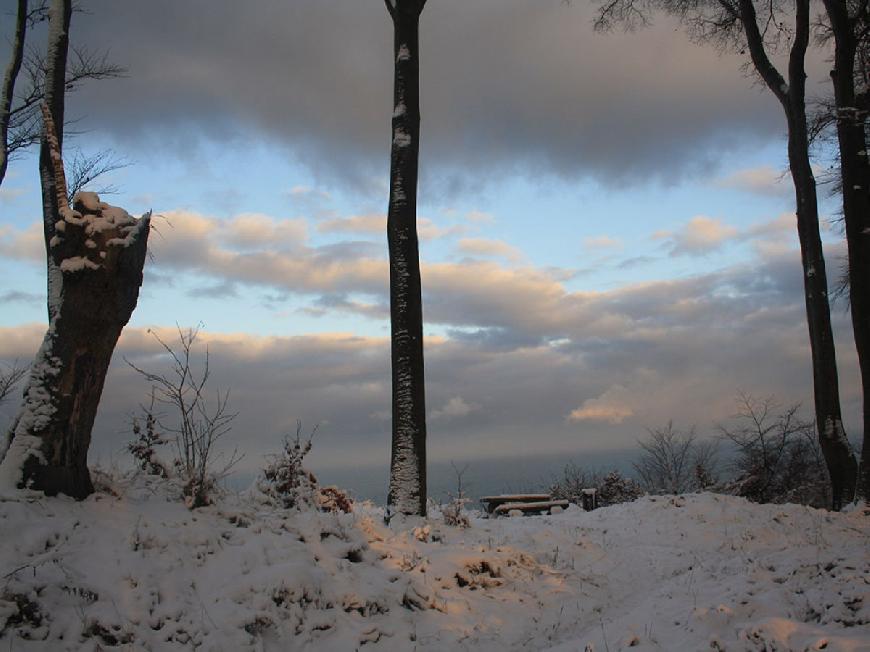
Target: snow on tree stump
x,y
96,256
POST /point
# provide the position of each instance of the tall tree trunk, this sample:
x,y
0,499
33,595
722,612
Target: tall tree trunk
x,y
839,458
407,492
855,175
9,79
95,256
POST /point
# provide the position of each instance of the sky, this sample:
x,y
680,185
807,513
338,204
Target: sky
x,y
607,231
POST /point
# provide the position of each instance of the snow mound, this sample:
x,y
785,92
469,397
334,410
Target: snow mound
x,y
134,569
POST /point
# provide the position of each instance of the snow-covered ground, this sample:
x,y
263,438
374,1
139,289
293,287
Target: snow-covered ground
x,y
139,571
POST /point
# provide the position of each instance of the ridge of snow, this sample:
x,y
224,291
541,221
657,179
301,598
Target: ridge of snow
x,y
695,572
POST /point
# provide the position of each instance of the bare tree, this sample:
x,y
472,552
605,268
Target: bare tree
x,y
95,256
778,459
737,24
675,462
849,26
407,492
10,377
20,120
196,423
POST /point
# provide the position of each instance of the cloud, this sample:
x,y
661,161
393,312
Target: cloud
x,y
480,217
525,354
700,236
455,408
599,409
488,247
23,244
602,242
355,224
14,296
512,87
763,180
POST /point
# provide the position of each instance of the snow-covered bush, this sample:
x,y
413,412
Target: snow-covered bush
x,y
454,514
615,488
612,488
284,479
333,499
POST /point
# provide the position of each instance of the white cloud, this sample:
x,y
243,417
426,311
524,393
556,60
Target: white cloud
x,y
355,224
489,247
701,235
456,407
611,407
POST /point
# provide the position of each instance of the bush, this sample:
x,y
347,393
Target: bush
x,y
612,488
285,479
145,441
674,462
333,499
453,512
778,456
196,423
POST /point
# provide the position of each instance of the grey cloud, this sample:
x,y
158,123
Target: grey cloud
x,y
619,360
14,296
508,86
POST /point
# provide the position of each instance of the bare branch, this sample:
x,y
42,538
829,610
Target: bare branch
x,y
10,377
82,170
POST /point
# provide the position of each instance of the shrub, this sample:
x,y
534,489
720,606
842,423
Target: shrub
x,y
612,487
285,479
778,456
197,423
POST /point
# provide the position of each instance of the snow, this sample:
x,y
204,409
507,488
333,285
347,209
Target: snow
x,y
401,138
404,53
134,569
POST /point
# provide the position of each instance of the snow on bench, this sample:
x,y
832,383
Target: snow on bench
x,y
491,502
537,506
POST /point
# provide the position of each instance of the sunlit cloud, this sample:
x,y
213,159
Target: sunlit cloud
x,y
763,180
489,247
700,236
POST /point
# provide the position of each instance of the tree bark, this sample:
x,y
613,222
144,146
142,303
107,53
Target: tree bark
x,y
9,84
407,491
839,458
95,257
855,175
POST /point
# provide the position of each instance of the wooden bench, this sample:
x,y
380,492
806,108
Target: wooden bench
x,y
503,503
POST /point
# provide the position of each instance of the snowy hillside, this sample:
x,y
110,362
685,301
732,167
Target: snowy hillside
x,y
139,571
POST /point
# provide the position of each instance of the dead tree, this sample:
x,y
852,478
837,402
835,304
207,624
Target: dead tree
x,y
407,492
735,23
95,255
849,26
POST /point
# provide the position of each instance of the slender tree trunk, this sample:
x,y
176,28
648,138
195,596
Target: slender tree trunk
x,y
407,492
95,256
840,460
9,84
855,175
